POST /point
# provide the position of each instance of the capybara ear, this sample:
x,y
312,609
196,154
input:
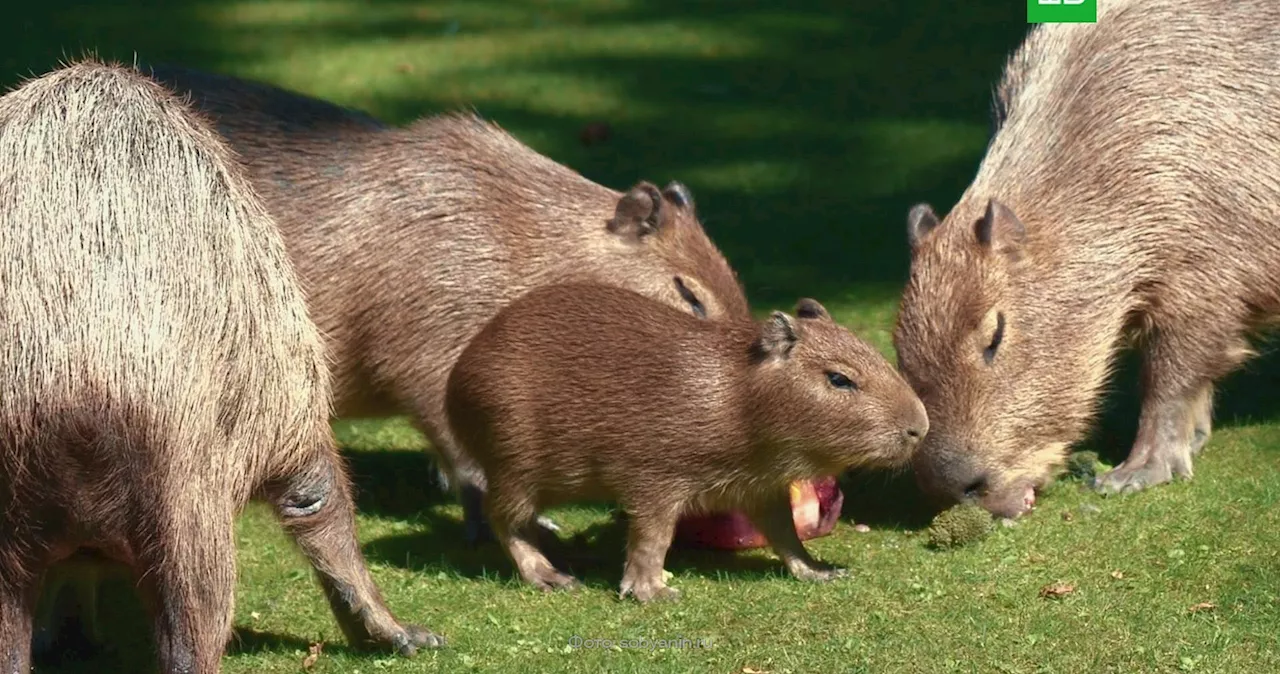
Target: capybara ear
x,y
639,211
920,221
1000,229
808,308
679,195
777,335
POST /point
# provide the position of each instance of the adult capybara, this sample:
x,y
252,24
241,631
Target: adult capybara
x,y
159,369
1132,189
596,392
408,239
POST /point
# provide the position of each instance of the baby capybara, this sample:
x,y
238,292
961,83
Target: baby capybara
x,y
159,368
407,240
594,392
1131,194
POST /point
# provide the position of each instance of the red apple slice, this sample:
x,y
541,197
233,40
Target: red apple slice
x,y
815,508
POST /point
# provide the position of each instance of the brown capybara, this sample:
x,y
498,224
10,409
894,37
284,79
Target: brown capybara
x,y
160,369
408,239
595,392
1132,190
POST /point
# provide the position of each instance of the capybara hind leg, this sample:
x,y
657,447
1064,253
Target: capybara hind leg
x,y
513,520
649,534
774,519
317,509
17,607
190,576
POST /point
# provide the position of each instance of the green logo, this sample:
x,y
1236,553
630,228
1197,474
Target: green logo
x,y
1062,11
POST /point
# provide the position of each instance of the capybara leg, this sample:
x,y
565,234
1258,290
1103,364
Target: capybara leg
x,y
476,526
317,509
17,606
1170,431
774,519
649,537
190,577
513,518
1202,419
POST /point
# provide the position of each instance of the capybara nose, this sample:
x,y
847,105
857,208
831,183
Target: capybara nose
x,y
949,476
916,424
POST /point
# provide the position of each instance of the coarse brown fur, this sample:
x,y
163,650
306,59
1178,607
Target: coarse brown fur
x,y
1132,189
595,392
160,369
408,239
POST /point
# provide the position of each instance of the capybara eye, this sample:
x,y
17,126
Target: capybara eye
x,y
989,354
841,382
694,303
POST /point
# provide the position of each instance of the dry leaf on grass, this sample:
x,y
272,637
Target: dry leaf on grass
x,y
749,670
1118,575
1057,590
1202,606
315,649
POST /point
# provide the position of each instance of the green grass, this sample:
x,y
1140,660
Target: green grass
x,y
805,133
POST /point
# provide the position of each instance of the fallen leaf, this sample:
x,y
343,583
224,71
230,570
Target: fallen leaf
x,y
1067,516
748,670
1057,590
404,67
1035,558
255,615
1202,606
1118,575
315,649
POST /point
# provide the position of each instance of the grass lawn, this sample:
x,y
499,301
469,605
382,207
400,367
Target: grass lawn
x,y
805,131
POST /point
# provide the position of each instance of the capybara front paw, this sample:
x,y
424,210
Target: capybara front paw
x,y
646,591
1157,470
551,579
819,572
420,637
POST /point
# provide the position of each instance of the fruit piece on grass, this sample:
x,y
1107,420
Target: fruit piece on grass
x,y
815,508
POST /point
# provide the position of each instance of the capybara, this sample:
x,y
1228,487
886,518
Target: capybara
x,y
160,369
1131,192
408,239
583,391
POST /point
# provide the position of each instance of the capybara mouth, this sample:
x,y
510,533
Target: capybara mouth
x,y
1010,503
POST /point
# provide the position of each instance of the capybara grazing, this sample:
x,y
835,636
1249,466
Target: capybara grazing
x,y
408,239
160,369
1132,190
583,391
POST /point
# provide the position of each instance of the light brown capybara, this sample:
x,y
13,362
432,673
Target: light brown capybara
x,y
160,369
407,240
595,392
1131,190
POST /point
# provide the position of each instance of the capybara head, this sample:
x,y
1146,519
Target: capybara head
x,y
995,345
667,255
822,396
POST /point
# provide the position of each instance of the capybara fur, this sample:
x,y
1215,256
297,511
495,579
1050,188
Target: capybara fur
x,y
160,369
595,392
1130,195
407,240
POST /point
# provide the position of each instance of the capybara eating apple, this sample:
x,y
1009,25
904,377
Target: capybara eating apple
x,y
407,240
159,369
1131,191
582,391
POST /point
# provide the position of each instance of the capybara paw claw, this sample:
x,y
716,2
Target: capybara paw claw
x,y
421,637
1126,479
647,592
555,580
822,574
